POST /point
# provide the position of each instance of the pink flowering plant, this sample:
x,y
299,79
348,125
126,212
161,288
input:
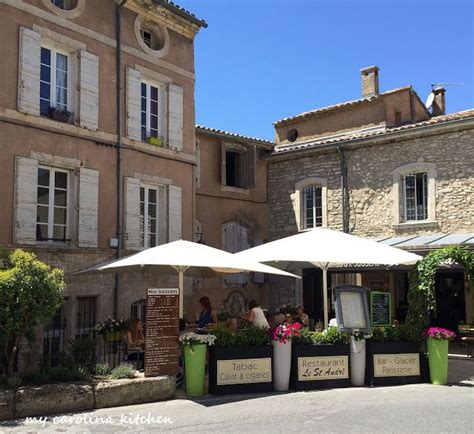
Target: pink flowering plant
x,y
440,334
284,332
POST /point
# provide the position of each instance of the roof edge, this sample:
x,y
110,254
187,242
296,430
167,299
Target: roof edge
x,y
178,10
235,136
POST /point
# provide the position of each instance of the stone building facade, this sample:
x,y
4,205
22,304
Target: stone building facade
x,y
98,142
382,167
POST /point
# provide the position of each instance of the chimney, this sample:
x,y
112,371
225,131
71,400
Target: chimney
x,y
439,103
370,80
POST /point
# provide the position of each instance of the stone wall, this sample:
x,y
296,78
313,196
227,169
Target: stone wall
x,y
370,183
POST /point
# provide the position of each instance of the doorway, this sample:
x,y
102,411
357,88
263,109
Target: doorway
x,y
313,293
450,303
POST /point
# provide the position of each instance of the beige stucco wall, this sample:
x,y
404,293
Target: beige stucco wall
x,y
215,206
20,135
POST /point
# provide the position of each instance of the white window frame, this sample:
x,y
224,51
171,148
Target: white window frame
x,y
398,196
147,188
70,65
405,197
52,171
299,203
162,123
305,216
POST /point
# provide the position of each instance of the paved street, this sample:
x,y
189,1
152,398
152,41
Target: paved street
x,y
412,408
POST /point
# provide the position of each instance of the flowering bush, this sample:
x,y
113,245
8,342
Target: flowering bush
x,y
112,325
191,338
440,334
284,332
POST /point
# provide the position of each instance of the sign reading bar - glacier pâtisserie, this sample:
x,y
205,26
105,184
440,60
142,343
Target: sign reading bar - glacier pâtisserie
x,y
396,365
323,368
244,371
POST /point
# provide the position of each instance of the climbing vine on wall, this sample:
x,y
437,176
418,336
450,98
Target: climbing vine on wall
x,y
421,292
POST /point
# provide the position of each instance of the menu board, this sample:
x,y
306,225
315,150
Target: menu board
x,y
162,329
352,311
380,308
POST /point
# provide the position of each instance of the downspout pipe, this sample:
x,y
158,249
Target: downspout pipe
x,y
118,102
344,192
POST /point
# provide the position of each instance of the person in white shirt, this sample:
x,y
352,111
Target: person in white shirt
x,y
255,316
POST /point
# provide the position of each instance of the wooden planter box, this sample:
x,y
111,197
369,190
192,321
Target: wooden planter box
x,y
320,366
240,370
394,363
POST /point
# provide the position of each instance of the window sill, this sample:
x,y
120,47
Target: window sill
x,y
235,189
428,224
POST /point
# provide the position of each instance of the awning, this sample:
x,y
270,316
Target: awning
x,y
429,242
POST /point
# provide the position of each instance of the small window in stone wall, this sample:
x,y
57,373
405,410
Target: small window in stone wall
x,y
292,135
415,196
312,207
138,310
67,5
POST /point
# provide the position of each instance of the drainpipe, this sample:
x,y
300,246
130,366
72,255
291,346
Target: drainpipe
x,y
118,102
344,191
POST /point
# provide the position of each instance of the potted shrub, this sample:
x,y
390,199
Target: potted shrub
x,y
393,356
112,330
320,360
59,115
438,343
281,340
195,350
240,362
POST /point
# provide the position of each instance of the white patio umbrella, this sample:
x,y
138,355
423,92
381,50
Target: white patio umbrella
x,y
323,248
197,260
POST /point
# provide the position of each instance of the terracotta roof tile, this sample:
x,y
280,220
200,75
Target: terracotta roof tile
x,y
181,11
215,131
367,133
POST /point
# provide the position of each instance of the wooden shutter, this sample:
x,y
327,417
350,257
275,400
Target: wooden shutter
x,y
29,72
250,166
26,191
88,207
223,165
133,98
174,213
298,212
132,213
258,277
175,117
88,90
235,239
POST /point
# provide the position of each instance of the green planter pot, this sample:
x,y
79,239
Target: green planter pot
x,y
438,360
195,369
113,336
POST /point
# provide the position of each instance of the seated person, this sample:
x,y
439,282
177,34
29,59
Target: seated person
x,y
208,316
135,341
255,316
301,317
233,325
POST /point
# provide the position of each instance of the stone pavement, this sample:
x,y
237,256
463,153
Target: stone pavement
x,y
410,408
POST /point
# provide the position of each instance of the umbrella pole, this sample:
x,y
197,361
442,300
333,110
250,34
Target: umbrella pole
x,y
325,296
181,293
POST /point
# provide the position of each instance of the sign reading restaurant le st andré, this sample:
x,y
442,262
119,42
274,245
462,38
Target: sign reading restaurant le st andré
x,y
162,329
322,368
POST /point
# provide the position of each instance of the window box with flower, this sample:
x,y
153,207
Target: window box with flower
x,y
240,362
320,360
111,329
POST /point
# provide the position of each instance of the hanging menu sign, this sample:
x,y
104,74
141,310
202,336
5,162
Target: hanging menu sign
x,y
162,329
380,308
352,310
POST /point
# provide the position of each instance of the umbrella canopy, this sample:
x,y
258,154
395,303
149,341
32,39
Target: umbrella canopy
x,y
323,248
197,260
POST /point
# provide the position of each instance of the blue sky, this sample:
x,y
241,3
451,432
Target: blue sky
x,y
262,60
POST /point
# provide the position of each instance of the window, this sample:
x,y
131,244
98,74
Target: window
x,y
65,4
151,117
235,169
54,81
415,192
53,334
52,205
138,310
149,221
313,207
86,316
235,238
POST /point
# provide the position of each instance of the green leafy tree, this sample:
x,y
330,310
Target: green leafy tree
x,y
30,293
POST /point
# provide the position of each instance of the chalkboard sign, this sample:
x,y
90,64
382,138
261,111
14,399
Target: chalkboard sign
x,y
380,308
352,310
162,329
